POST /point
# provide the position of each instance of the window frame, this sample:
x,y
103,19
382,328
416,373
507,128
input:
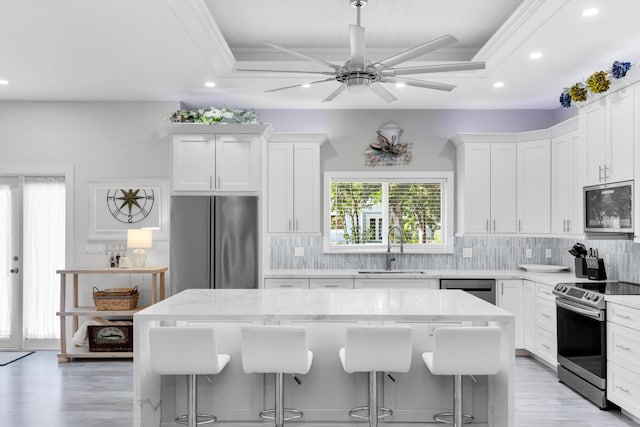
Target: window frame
x,y
445,178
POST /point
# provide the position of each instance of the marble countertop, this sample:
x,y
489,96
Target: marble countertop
x,y
324,305
632,301
546,278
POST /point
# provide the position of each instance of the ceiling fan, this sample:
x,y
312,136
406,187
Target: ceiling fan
x,y
359,73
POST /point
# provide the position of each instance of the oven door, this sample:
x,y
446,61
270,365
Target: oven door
x,y
582,341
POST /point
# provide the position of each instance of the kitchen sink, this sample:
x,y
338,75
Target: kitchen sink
x,y
390,272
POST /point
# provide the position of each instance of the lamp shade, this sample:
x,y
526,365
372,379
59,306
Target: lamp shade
x,y
139,238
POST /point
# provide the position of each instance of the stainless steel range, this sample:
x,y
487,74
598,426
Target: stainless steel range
x,y
582,335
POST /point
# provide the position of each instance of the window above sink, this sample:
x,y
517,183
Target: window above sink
x,y
361,207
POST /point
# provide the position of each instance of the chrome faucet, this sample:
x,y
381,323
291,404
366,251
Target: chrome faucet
x,y
389,257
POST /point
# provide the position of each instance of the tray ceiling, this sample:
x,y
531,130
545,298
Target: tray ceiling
x,y
167,49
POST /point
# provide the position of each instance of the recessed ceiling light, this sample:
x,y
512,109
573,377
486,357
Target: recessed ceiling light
x,y
535,55
498,84
210,84
4,82
401,84
306,85
592,11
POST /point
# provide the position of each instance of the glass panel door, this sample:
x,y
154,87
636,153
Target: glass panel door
x,y
10,276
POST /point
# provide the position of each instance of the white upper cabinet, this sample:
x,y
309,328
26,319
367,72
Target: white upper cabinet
x,y
566,191
237,162
474,188
503,187
208,163
487,188
534,187
193,162
222,158
293,175
607,132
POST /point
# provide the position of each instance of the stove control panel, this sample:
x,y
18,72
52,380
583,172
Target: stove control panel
x,y
574,293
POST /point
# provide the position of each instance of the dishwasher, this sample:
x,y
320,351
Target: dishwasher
x,y
482,288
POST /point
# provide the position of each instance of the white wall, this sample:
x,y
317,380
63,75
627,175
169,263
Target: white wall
x,y
99,140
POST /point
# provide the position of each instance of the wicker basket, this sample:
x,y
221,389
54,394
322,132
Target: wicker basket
x,y
115,298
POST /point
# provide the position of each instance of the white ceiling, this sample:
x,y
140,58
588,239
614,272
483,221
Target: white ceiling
x,y
165,50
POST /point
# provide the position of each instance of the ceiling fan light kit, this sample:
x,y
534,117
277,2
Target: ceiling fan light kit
x,y
360,75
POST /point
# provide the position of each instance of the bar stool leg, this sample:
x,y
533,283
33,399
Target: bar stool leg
x,y
373,399
279,415
192,418
456,417
457,401
192,392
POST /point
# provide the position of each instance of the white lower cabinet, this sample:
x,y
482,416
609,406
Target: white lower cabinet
x,y
286,283
390,282
546,328
331,283
510,297
623,357
529,315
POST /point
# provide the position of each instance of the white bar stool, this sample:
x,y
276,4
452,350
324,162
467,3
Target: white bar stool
x,y
276,350
462,351
375,349
191,352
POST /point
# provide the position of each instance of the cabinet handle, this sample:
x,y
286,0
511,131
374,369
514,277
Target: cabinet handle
x,y
568,225
623,347
545,315
330,286
501,288
599,173
494,225
623,316
286,286
519,226
626,390
546,346
297,225
605,173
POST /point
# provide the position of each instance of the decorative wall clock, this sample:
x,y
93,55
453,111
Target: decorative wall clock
x,y
120,204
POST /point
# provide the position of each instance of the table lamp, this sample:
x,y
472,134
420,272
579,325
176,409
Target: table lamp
x,y
139,239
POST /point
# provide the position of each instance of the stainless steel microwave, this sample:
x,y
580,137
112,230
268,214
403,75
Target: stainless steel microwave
x,y
608,208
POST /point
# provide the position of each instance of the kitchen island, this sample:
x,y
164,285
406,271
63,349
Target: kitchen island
x,y
327,392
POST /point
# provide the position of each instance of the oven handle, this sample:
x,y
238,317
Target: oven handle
x,y
594,314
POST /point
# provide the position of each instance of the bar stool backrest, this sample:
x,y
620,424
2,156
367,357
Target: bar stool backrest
x,y
377,348
467,350
184,351
275,349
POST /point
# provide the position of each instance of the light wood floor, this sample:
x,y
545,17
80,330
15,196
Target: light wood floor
x,y
37,391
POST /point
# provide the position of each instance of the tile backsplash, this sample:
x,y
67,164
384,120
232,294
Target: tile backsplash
x,y
621,257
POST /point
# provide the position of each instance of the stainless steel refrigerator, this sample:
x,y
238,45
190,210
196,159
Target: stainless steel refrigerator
x,y
214,242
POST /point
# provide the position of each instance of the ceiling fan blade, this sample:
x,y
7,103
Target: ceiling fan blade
x,y
302,55
357,40
321,73
335,93
420,83
300,85
382,92
438,68
416,51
